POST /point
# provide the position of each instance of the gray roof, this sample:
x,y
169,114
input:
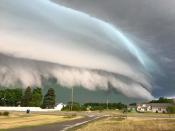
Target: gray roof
x,y
157,104
160,104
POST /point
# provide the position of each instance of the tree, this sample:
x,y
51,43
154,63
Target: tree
x,y
37,96
18,96
13,97
162,100
2,98
49,99
10,97
27,97
171,109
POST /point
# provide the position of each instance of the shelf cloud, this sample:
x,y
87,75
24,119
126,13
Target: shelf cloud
x,y
45,39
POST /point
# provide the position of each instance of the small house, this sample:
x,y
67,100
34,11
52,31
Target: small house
x,y
153,107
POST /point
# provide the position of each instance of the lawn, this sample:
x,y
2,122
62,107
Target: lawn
x,y
130,124
17,120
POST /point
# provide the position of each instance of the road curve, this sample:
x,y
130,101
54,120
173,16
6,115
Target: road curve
x,y
62,126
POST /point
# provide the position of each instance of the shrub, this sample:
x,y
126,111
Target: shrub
x,y
28,111
171,109
6,113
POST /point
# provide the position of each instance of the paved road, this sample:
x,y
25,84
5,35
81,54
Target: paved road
x,y
63,126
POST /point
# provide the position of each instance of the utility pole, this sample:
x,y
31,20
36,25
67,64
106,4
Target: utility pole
x,y
108,94
72,98
107,103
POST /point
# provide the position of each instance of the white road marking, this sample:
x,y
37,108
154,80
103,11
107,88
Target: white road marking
x,y
81,123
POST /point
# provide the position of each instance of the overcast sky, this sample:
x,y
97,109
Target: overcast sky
x,y
129,43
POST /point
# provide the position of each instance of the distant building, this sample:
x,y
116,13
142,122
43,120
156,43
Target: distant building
x,y
153,107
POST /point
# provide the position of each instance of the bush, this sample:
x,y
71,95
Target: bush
x,y
28,111
6,113
171,109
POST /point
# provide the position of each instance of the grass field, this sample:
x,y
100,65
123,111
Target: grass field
x,y
18,119
130,124
134,121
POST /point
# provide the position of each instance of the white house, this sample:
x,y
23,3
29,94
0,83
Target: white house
x,y
153,107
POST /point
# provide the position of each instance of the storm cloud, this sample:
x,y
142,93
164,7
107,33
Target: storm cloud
x,y
150,24
45,39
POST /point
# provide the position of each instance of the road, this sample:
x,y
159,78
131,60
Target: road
x,y
63,126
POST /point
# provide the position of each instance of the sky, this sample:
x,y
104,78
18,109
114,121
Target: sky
x,y
127,43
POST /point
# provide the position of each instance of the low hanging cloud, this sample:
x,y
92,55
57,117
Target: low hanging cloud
x,y
27,72
45,39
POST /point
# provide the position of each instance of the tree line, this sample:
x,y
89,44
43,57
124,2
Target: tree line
x,y
33,97
162,100
93,106
30,97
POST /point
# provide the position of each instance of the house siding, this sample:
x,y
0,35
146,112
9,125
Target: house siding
x,y
153,107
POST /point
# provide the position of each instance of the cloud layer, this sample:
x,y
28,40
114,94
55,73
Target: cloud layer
x,y
152,21
41,35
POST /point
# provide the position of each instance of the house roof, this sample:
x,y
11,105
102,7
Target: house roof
x,y
157,104
160,104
